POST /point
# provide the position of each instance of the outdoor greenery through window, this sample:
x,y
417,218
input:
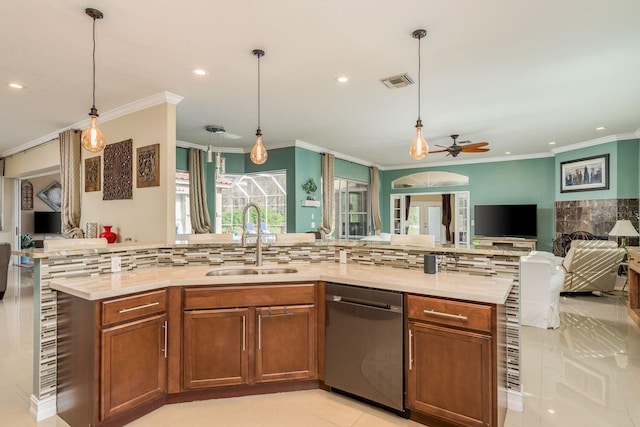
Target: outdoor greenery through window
x,y
266,189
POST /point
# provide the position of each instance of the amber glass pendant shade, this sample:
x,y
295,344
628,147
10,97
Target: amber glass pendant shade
x,y
92,138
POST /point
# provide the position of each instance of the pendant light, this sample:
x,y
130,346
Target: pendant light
x,y
218,130
419,148
92,138
258,152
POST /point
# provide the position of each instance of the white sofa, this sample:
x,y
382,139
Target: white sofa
x,y
541,279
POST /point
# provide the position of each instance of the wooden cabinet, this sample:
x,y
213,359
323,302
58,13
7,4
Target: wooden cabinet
x,y
286,344
215,348
133,366
451,360
633,273
236,335
114,350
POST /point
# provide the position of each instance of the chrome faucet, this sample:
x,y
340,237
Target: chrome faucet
x,y
244,232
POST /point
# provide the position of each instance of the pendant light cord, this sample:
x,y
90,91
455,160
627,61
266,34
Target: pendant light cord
x,y
259,90
94,63
419,75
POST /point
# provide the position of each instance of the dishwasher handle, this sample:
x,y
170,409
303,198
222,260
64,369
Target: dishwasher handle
x,y
364,303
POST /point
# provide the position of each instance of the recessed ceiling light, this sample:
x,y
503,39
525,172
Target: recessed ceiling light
x,y
600,128
342,79
507,152
552,143
199,72
551,411
15,85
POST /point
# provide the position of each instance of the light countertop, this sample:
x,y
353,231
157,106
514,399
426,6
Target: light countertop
x,y
449,285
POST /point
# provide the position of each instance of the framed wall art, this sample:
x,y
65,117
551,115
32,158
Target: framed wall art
x,y
52,195
118,171
92,174
148,173
586,174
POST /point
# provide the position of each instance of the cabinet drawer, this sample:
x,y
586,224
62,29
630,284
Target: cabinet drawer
x,y
450,313
249,296
133,307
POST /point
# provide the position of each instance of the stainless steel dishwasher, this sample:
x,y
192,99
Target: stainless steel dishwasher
x,y
364,344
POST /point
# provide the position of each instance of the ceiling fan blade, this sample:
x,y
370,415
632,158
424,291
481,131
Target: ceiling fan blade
x,y
476,150
443,146
474,145
464,142
438,151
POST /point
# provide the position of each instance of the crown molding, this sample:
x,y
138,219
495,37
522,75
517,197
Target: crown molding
x,y
507,158
132,107
597,141
341,156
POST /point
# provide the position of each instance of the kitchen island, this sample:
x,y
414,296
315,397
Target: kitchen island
x,y
138,258
133,341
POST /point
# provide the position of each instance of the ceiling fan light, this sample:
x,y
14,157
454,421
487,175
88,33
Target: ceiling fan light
x,y
92,138
258,152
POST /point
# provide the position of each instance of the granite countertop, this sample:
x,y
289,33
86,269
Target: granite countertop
x,y
449,285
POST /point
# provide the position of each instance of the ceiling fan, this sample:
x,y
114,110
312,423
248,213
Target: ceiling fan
x,y
457,148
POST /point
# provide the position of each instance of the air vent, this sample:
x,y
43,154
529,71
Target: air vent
x,y
395,82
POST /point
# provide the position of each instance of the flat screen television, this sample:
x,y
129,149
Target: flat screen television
x,y
506,220
46,222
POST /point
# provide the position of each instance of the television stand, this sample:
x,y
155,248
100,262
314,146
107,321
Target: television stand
x,y
510,242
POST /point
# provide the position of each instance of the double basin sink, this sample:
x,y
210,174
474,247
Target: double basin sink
x,y
244,271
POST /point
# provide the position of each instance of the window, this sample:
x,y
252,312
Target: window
x,y
351,219
265,189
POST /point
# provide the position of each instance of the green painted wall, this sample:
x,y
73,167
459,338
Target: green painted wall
x,y
624,180
308,165
349,170
182,159
628,161
513,182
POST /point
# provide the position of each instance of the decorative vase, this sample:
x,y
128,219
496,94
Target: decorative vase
x,y
108,234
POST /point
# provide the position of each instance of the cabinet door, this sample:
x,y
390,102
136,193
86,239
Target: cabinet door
x,y
215,348
286,343
133,364
449,374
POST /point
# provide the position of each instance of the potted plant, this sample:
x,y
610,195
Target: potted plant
x,y
26,242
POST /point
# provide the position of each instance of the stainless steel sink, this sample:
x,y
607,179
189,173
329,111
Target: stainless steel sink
x,y
278,271
232,272
244,271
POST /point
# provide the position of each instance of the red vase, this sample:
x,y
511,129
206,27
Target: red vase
x,y
108,234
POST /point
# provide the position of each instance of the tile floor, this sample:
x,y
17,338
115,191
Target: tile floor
x,y
586,373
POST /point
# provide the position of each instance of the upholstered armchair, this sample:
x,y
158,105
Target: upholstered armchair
x,y
592,265
541,278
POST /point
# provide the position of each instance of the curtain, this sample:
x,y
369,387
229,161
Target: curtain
x,y
328,177
70,165
407,205
200,220
1,194
374,191
446,215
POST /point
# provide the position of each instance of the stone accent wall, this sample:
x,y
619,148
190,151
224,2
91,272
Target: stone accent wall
x,y
595,216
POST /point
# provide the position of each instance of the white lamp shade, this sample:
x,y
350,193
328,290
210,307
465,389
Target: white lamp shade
x,y
623,228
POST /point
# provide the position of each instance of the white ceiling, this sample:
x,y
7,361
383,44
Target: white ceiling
x,y
517,74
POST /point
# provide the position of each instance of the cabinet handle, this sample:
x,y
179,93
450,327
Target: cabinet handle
x,y
285,313
244,333
138,307
259,332
410,349
450,316
164,350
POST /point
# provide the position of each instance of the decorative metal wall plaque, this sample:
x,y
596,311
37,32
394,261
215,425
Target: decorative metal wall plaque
x,y
52,195
92,174
148,174
118,171
26,195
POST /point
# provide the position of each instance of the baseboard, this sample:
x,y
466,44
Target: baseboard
x,y
42,408
515,401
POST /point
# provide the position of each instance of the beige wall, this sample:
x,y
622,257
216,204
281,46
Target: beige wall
x,y
150,215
